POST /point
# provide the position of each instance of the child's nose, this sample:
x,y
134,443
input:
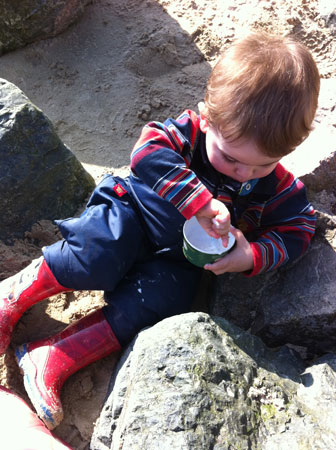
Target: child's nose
x,y
244,172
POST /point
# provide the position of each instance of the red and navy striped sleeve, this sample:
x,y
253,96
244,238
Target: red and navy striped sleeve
x,y
287,225
161,158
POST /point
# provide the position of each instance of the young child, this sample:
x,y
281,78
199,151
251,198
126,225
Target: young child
x,y
221,166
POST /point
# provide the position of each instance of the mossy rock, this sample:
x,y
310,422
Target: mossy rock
x,y
40,177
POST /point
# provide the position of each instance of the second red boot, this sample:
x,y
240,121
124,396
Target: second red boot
x,y
47,363
17,293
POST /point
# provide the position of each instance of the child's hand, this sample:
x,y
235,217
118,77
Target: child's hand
x,y
240,259
214,218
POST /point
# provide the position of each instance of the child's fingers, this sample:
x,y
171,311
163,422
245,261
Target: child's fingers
x,y
225,240
221,227
222,217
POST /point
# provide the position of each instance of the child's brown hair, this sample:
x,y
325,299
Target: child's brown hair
x,y
264,88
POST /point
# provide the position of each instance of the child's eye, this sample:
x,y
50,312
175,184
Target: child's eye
x,y
228,159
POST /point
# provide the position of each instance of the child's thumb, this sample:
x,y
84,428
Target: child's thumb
x,y
235,231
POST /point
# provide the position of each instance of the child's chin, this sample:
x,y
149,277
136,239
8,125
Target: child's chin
x,y
239,179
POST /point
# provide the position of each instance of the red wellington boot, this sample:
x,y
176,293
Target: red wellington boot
x,y
17,293
47,363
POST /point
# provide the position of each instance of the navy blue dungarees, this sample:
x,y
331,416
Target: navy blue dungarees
x,y
128,243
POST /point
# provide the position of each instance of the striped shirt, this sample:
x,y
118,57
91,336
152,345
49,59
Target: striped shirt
x,y
272,212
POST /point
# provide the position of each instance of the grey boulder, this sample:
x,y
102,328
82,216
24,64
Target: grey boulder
x,y
25,21
196,382
40,178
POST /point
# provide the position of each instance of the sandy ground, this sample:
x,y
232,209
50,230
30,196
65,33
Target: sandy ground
x,y
126,62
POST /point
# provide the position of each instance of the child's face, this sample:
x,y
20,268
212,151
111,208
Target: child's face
x,y
239,160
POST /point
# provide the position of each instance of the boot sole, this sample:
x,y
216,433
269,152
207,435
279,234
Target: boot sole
x,y
50,418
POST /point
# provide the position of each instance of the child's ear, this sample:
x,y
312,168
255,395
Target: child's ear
x,y
204,124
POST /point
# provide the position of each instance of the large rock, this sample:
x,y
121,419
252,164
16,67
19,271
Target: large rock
x,y
296,304
193,382
25,21
300,307
39,176
314,161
